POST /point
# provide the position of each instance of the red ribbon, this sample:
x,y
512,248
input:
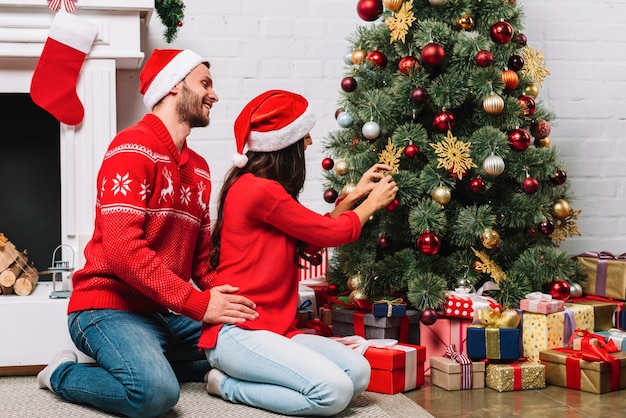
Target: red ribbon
x,y
320,327
517,376
590,353
55,5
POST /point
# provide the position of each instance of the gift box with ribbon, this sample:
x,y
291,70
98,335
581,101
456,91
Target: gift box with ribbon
x,y
497,337
320,289
389,307
542,303
462,302
307,304
515,376
542,332
404,329
617,336
603,310
396,367
595,369
606,274
444,332
456,371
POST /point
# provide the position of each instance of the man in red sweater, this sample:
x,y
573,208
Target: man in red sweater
x,y
133,308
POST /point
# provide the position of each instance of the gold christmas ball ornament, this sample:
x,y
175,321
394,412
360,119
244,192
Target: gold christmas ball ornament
x,y
441,194
542,142
561,209
347,189
490,238
438,3
355,282
465,22
358,56
531,90
393,4
356,295
341,167
493,104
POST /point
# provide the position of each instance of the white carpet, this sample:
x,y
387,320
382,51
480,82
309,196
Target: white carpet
x,y
22,398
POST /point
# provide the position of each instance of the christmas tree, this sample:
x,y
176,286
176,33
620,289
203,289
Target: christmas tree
x,y
446,93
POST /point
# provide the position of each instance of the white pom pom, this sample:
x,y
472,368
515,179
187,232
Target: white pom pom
x,y
240,160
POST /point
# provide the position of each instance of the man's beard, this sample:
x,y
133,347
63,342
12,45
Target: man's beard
x,y
190,109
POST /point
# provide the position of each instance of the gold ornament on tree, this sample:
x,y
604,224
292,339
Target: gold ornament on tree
x,y
493,104
391,157
355,282
487,265
442,195
400,23
358,56
356,295
561,209
393,4
347,189
490,238
341,167
542,142
534,65
531,90
454,155
465,22
565,227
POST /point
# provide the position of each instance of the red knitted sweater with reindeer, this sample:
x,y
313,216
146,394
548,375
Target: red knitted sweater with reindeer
x,y
152,228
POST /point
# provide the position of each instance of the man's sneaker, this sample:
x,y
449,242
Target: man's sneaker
x,y
43,378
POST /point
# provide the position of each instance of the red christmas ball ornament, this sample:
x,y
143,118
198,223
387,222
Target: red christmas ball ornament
x,y
384,243
332,290
528,105
444,121
433,54
393,205
530,185
428,316
179,24
477,185
327,163
484,58
519,139
419,95
560,177
348,84
369,10
540,129
408,65
330,195
501,32
521,40
411,151
515,63
546,228
377,58
428,243
338,112
559,289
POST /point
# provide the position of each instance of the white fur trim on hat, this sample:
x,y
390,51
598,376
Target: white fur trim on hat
x,y
240,160
283,137
176,70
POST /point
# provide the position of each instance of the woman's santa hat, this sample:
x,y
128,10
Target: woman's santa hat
x,y
270,122
164,69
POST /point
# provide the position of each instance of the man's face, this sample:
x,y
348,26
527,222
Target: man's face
x,y
197,97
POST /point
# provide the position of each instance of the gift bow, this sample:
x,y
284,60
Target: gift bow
x,y
586,337
360,344
603,255
391,304
539,296
55,5
617,336
493,318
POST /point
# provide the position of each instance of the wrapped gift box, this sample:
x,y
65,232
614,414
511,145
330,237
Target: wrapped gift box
x,y
541,303
390,308
541,332
463,306
395,369
515,376
617,336
444,332
620,319
404,329
446,373
320,288
307,304
602,312
605,273
565,368
494,343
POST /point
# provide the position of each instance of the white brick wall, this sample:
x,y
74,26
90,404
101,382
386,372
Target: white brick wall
x,y
298,45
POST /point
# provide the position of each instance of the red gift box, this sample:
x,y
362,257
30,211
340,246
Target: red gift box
x,y
462,303
397,368
444,332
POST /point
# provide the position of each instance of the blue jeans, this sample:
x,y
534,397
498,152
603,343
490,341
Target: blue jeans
x,y
141,358
303,375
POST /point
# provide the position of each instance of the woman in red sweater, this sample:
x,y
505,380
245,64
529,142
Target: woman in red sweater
x,y
260,231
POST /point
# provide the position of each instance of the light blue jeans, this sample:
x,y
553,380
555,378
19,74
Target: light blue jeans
x,y
304,375
141,358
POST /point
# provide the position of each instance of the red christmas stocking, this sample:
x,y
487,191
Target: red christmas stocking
x,y
53,86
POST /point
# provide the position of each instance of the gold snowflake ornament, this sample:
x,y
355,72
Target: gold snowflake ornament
x,y
565,227
400,23
391,156
487,265
534,65
454,155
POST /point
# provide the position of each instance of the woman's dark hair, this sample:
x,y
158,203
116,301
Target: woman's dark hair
x,y
286,166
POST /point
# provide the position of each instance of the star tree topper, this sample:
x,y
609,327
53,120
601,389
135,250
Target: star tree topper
x,y
454,155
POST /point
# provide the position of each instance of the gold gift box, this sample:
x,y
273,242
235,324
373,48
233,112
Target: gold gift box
x,y
611,286
501,377
602,313
446,373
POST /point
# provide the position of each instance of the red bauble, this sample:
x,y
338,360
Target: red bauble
x,y
444,121
332,290
408,64
519,139
393,205
501,32
546,228
384,243
330,195
348,84
477,185
411,151
521,40
369,10
338,112
378,58
527,104
540,129
560,177
530,185
559,289
484,58
428,243
433,54
328,163
515,63
419,95
428,316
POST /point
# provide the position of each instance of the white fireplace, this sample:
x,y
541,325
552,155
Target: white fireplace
x,y
24,27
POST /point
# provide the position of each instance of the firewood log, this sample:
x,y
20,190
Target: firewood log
x,y
10,275
26,282
8,255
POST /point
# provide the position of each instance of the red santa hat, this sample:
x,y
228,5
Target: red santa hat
x,y
270,122
163,70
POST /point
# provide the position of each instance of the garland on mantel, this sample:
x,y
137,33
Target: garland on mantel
x,y
171,13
